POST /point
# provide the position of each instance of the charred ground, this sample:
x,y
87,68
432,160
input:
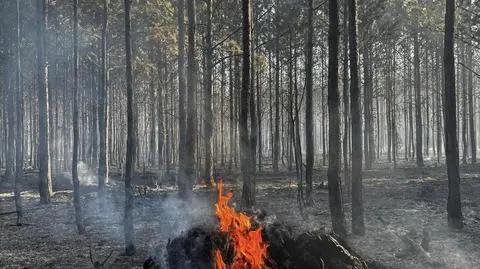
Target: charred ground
x,y
399,203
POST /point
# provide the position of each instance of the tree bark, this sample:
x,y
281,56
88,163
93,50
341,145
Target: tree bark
x,y
464,106
45,181
473,136
418,100
454,206
131,140
208,122
259,121
75,180
19,124
334,189
9,109
358,226
367,101
276,138
231,114
253,113
346,120
438,104
310,150
185,191
248,194
182,128
102,113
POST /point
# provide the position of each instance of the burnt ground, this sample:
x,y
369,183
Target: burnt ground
x,y
398,202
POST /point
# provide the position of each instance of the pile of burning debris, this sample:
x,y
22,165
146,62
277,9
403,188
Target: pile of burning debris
x,y
246,242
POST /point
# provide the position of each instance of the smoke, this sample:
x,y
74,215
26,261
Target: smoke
x,y
86,176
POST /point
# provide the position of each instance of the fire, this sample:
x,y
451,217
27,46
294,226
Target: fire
x,y
250,250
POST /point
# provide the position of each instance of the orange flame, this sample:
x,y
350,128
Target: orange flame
x,y
250,250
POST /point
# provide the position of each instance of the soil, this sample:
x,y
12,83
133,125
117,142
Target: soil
x,y
399,203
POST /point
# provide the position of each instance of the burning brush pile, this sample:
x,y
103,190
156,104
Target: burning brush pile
x,y
245,242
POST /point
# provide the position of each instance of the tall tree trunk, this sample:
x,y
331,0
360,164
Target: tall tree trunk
x,y
9,109
290,142
438,104
231,114
94,119
388,102
358,226
259,120
276,143
464,106
367,101
19,126
208,120
334,189
187,187
309,96
131,141
393,99
222,117
248,194
253,113
270,95
427,103
418,99
181,96
454,205
405,106
75,180
410,111
153,123
166,124
45,180
473,136
346,120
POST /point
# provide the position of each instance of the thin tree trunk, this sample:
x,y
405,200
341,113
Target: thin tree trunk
x,y
45,181
187,187
153,122
222,109
464,106
427,103
232,115
131,141
19,125
9,110
310,151
358,226
438,104
181,96
208,120
418,101
253,113
473,136
75,180
367,106
94,120
454,205
259,120
276,143
346,120
248,197
334,188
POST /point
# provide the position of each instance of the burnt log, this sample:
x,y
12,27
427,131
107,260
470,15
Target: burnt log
x,y
194,249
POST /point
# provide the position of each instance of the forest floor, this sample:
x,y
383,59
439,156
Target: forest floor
x,y
398,202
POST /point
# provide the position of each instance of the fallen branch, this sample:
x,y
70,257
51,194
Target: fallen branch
x,y
97,264
412,244
8,213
